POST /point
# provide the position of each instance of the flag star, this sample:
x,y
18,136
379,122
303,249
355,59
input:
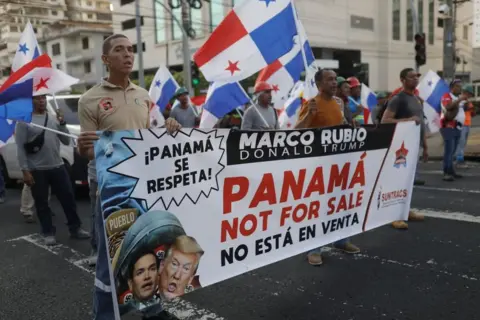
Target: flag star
x,y
42,84
267,2
275,87
232,67
312,82
23,48
430,83
157,83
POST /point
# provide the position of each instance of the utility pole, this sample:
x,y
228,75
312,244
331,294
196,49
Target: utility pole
x,y
449,42
138,25
187,72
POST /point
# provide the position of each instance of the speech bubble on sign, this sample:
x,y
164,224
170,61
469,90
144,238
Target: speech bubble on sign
x,y
171,168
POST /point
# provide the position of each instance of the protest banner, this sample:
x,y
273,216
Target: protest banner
x,y
185,211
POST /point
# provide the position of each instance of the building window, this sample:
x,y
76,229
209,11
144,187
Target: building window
x,y
396,20
90,16
159,23
196,21
56,49
85,43
216,14
420,16
409,24
89,3
176,32
124,2
431,21
13,29
465,32
59,66
87,67
54,12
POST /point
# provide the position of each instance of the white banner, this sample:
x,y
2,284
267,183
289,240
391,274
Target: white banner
x,y
186,211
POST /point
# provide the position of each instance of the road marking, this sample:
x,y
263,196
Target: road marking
x,y
180,308
450,215
440,173
447,189
431,266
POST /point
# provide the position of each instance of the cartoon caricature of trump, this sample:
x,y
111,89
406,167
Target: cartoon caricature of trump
x,y
177,275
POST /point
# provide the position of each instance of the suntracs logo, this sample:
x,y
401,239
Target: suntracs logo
x,y
401,156
390,198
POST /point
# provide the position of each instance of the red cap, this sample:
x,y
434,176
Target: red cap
x,y
353,82
262,86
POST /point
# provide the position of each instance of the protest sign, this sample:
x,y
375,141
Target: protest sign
x,y
186,211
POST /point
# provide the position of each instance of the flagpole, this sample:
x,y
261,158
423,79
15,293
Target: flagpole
x,y
52,130
302,48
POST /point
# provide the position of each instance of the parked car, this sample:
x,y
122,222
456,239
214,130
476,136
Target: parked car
x,y
75,164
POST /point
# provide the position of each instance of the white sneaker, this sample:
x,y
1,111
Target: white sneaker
x,y
50,241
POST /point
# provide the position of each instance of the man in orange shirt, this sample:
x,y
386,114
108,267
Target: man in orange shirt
x,y
325,110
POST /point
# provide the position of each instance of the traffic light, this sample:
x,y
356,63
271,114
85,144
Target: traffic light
x,y
420,49
195,75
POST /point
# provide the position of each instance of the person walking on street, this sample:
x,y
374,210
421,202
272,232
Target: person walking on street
x,y
469,110
406,106
114,104
343,92
325,110
183,112
261,116
452,120
38,153
27,203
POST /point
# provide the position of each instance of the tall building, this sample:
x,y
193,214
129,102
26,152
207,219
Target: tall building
x,y
14,14
373,39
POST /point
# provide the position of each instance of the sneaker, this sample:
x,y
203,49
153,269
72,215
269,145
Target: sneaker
x,y
348,248
401,225
447,177
28,218
80,234
92,261
418,182
315,258
413,216
50,240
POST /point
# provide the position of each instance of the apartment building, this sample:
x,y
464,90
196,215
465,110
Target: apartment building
x,y
373,39
76,48
14,14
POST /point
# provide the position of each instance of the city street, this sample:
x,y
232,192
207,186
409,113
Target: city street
x,y
431,271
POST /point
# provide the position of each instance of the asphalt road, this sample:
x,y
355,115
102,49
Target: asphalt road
x,y
431,271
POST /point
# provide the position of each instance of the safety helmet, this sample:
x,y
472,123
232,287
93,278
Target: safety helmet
x,y
262,86
354,82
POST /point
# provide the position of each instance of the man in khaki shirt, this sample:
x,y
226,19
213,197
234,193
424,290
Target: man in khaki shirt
x,y
114,104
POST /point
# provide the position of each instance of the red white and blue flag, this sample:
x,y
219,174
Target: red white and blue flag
x,y
253,35
284,72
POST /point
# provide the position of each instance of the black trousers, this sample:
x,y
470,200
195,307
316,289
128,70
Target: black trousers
x,y
59,180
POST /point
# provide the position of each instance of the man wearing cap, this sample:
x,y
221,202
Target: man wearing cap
x,y
343,92
261,116
469,113
184,112
354,101
452,120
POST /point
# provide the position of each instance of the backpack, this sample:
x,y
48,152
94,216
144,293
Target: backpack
x,y
383,107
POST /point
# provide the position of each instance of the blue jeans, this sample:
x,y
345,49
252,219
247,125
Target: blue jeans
x,y
2,184
462,143
451,136
93,187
